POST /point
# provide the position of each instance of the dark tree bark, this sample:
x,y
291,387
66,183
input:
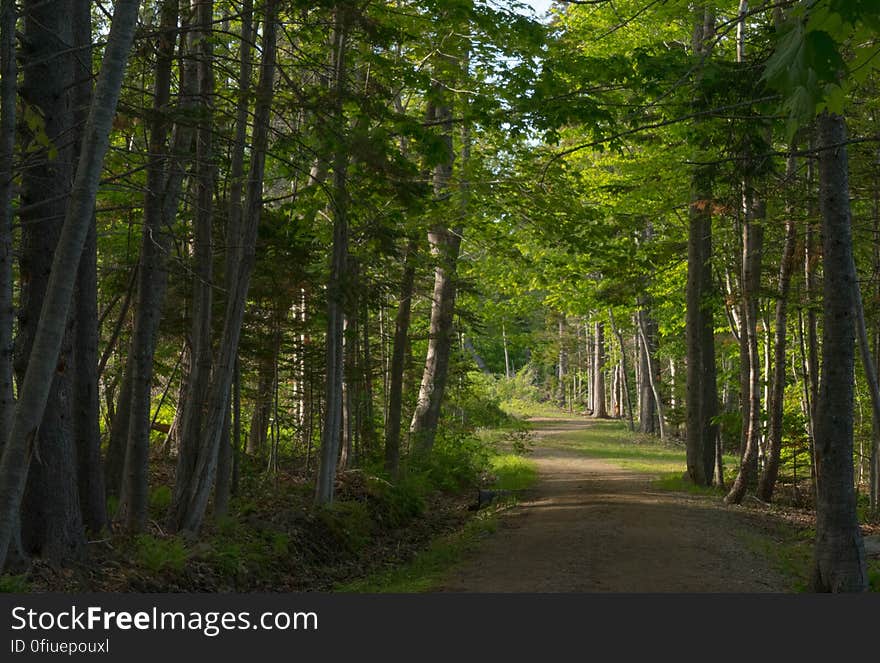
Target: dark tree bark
x,y
331,431
47,342
152,279
226,454
202,358
259,427
701,401
8,91
86,400
398,362
192,495
839,562
51,518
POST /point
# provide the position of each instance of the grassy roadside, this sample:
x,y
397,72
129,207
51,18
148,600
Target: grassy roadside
x,y
427,569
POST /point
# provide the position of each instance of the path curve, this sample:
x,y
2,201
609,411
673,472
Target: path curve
x,y
589,526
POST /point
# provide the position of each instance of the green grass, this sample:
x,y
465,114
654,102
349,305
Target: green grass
x,y
513,472
611,441
14,584
427,569
522,409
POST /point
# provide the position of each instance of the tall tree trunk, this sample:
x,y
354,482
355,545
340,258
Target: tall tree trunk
x,y
648,363
194,495
777,388
335,363
623,371
599,409
839,562
811,258
8,92
398,359
653,380
51,518
227,450
562,366
753,243
700,343
152,279
195,404
46,347
445,244
86,400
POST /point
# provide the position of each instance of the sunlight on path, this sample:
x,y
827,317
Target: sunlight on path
x,y
589,526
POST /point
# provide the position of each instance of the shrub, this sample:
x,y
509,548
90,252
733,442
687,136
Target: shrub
x,y
160,498
349,523
457,462
159,555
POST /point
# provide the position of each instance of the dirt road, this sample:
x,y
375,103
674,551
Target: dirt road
x,y
588,526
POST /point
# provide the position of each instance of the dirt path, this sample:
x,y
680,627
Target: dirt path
x,y
588,526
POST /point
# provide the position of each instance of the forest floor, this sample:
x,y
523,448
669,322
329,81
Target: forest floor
x,y
588,525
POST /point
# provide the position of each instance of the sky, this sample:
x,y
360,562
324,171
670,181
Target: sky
x,y
540,6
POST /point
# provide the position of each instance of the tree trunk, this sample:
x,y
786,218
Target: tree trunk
x,y
335,363
562,366
86,400
46,348
648,423
196,402
8,92
599,409
195,493
753,243
228,449
398,365
152,279
839,563
445,244
653,380
700,341
51,519
623,371
777,388
259,427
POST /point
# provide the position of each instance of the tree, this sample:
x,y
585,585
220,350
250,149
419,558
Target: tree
x,y
46,347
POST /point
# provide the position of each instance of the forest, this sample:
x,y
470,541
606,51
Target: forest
x,y
289,291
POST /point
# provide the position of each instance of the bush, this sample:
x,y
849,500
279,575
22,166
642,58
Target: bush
x,y
349,523
474,404
159,555
395,504
457,462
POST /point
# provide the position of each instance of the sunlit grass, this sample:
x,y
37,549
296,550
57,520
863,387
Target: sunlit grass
x,y
513,472
611,441
523,409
